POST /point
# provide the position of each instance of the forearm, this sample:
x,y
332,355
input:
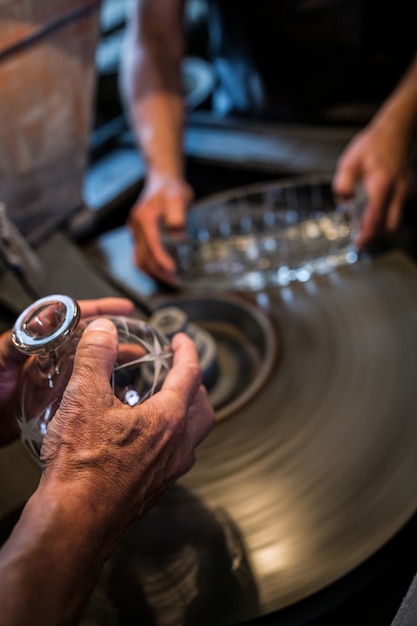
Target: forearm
x,y
399,111
151,84
158,121
51,562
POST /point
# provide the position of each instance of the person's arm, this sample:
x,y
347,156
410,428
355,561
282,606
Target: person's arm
x,y
380,157
50,563
152,90
105,464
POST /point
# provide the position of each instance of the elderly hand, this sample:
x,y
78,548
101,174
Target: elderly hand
x,y
12,362
105,464
115,459
165,199
380,158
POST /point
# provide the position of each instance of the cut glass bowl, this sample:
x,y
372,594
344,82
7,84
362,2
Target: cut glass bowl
x,y
264,235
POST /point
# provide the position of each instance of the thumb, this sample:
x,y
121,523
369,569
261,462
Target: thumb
x,y
88,386
178,201
176,216
344,182
97,351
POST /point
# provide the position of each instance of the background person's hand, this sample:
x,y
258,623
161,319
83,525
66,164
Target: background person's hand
x,y
12,363
119,459
379,157
162,203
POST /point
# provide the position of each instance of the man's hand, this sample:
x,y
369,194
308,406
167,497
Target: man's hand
x,y
379,158
105,464
116,459
163,203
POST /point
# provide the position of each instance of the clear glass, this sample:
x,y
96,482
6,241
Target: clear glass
x,y
49,330
263,235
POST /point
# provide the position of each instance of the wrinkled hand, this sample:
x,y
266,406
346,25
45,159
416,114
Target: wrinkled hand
x,y
164,200
12,362
117,458
379,157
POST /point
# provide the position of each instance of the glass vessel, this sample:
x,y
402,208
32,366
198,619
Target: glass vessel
x,y
266,235
49,330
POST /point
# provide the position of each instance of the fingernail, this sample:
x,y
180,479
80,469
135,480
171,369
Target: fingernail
x,y
102,324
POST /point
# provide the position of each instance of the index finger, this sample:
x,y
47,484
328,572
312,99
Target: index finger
x,y
106,306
